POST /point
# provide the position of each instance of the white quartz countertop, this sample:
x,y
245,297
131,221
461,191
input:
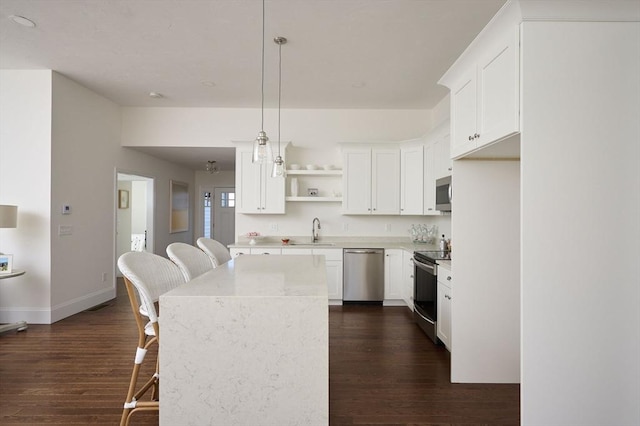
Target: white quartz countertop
x,y
337,242
260,276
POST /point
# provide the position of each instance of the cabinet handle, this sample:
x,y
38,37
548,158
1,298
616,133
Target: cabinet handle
x,y
476,136
430,208
471,138
449,169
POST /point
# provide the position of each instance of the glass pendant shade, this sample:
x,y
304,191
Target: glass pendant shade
x,y
262,152
278,168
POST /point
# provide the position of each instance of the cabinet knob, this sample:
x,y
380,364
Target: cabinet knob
x,y
430,208
471,138
476,136
448,278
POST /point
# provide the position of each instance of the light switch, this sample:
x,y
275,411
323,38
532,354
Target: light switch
x,y
65,230
66,209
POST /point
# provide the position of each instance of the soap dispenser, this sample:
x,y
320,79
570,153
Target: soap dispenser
x,y
443,244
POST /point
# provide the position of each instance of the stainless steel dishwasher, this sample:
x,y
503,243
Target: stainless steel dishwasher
x,y
363,275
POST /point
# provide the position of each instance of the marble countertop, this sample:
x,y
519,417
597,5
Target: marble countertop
x,y
260,276
338,242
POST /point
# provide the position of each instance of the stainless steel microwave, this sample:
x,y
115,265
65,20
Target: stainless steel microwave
x,y
443,194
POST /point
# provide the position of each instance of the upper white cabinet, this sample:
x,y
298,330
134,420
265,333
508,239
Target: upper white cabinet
x,y
371,181
437,164
411,180
256,191
485,91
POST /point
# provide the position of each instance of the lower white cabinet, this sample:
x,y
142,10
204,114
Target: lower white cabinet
x,y
235,252
333,261
392,276
407,278
445,279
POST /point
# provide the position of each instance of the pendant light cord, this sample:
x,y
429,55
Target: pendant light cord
x,y
262,82
279,89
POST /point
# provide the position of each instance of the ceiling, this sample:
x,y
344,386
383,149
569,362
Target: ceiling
x,y
379,54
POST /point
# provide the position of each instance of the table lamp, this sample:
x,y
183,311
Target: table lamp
x,y
8,216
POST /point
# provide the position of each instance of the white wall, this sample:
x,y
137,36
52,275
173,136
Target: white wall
x,y
60,144
303,127
580,223
485,305
315,136
25,167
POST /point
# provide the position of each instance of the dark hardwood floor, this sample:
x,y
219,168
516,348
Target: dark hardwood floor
x,y
383,370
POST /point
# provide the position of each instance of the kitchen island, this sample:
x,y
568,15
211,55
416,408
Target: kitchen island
x,y
247,343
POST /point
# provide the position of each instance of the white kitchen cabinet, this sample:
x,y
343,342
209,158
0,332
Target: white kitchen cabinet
x,y
444,305
443,166
235,252
485,94
371,181
265,250
256,191
333,260
407,278
437,163
411,180
392,275
429,180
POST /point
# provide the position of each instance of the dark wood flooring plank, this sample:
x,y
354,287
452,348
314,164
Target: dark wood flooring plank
x,y
382,371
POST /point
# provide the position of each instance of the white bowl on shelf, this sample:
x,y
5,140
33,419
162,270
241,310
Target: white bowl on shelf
x,y
294,166
312,167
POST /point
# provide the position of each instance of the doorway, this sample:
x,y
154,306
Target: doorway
x,y
134,214
219,213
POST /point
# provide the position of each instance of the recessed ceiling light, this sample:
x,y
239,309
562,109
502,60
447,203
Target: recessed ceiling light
x,y
22,21
208,83
156,95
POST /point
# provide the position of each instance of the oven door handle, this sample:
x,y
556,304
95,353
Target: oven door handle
x,y
426,266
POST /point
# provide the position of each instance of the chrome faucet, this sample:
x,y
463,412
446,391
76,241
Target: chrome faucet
x,y
314,233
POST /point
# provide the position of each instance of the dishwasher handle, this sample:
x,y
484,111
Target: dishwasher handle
x,y
365,251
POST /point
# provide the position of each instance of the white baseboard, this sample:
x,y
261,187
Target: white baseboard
x,y
58,312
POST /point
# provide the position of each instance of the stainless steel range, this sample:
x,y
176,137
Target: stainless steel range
x,y
425,289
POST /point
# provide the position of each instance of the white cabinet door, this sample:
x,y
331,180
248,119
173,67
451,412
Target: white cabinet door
x,y
498,91
235,252
385,181
411,180
371,181
256,191
485,98
464,114
444,306
333,259
429,180
265,250
393,274
356,178
248,181
443,164
334,279
407,278
272,192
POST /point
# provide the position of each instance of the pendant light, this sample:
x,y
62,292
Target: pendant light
x,y
262,152
278,164
212,167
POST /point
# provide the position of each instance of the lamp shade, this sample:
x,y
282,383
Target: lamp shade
x,y
8,216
